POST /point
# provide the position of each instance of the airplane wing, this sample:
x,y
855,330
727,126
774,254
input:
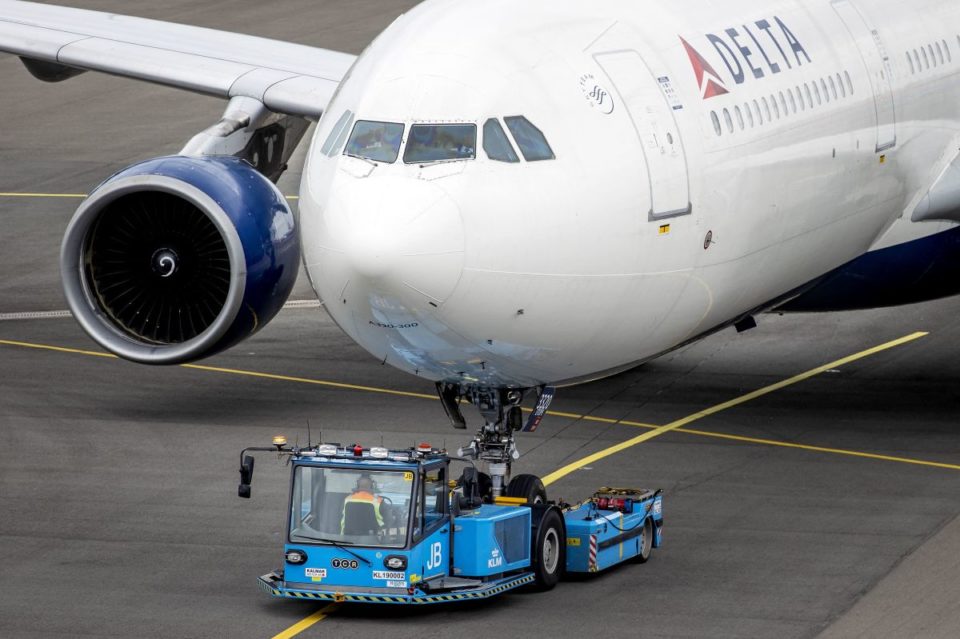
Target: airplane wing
x,y
56,43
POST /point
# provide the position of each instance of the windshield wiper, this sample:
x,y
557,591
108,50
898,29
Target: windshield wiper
x,y
343,546
372,163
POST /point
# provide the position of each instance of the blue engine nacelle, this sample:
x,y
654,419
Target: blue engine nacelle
x,y
178,258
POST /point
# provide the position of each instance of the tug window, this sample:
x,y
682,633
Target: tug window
x,y
533,145
377,141
434,497
440,142
496,144
350,506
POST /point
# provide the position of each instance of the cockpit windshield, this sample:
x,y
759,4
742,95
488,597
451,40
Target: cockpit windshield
x,y
440,142
530,139
377,141
430,143
351,507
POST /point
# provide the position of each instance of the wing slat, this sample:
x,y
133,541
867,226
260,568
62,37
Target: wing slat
x,y
161,66
293,78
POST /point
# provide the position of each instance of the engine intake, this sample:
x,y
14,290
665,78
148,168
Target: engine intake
x,y
178,258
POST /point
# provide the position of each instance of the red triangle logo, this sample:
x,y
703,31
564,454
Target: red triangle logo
x,y
707,78
713,90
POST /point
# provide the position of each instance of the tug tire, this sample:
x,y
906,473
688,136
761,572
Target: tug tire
x,y
646,542
548,557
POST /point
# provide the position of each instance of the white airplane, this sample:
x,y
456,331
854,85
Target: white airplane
x,y
502,197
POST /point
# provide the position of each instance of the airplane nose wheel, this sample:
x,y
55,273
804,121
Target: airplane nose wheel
x,y
494,442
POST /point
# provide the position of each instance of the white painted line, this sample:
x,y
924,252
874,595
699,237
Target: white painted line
x,y
5,317
38,315
303,304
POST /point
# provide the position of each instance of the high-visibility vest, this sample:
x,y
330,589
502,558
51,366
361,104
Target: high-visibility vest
x,y
362,497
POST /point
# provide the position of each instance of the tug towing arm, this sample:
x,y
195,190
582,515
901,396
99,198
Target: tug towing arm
x,y
375,525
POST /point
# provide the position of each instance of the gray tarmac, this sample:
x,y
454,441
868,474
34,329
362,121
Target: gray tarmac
x,y
118,507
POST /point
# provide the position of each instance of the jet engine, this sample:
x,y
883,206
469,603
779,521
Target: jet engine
x,y
177,258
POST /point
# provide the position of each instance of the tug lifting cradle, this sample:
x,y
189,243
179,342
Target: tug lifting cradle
x,y
376,525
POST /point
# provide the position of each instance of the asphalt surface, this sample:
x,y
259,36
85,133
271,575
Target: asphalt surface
x,y
118,514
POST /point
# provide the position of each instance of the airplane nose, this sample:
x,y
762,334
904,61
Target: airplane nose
x,y
399,233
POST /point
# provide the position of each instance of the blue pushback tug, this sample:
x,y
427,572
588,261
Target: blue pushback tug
x,y
374,525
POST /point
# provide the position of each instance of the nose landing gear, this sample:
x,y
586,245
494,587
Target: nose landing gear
x,y
494,442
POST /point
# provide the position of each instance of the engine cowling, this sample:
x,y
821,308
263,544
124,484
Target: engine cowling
x,y
177,258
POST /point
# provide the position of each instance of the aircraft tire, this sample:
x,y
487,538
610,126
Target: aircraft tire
x,y
529,487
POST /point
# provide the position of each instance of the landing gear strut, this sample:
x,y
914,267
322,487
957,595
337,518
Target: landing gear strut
x,y
494,442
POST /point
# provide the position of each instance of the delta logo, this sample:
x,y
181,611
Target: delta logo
x,y
758,50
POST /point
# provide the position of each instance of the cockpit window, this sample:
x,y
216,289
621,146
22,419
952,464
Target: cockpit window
x,y
337,134
531,141
440,142
496,144
377,141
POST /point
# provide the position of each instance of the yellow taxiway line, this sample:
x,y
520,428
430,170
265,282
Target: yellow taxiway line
x,y
654,430
58,349
819,449
713,410
307,380
303,624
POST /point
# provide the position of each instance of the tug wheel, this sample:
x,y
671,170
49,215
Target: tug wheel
x,y
645,541
528,487
548,552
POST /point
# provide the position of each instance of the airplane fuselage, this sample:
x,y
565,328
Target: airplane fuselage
x,y
710,161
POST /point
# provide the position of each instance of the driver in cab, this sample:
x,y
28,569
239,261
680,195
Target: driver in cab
x,y
361,509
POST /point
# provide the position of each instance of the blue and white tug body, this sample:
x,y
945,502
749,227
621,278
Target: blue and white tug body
x,y
373,525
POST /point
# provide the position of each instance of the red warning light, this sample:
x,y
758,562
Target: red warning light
x,y
357,450
615,503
